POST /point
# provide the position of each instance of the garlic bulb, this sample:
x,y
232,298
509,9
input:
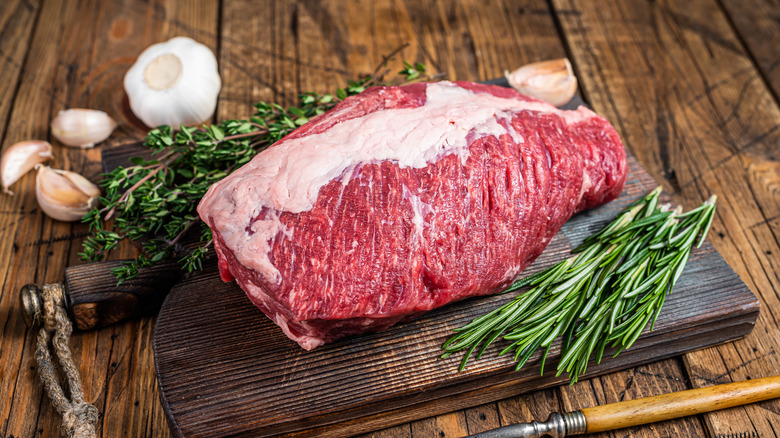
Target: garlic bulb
x,y
174,83
64,195
20,159
552,81
82,127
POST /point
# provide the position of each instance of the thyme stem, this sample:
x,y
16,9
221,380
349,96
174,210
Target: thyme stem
x,y
154,201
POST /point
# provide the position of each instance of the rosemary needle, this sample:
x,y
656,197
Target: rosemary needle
x,y
602,297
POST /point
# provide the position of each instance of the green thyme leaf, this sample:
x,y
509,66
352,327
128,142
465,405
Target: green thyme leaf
x,y
153,201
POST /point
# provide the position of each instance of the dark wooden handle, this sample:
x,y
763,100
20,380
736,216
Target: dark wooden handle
x,y
94,300
680,404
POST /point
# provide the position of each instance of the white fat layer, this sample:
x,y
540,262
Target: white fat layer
x,y
419,210
511,273
307,342
586,182
288,176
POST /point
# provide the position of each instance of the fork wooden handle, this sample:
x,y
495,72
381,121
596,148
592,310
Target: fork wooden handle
x,y
680,404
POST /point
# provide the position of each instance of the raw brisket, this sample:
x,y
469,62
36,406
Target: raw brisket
x,y
403,199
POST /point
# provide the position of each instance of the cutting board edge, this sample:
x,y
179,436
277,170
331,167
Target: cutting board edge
x,y
172,424
744,322
499,392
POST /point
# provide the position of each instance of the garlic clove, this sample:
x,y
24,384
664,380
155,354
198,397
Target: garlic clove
x,y
82,127
174,83
551,81
63,195
20,158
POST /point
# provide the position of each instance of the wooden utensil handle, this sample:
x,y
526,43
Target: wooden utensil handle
x,y
93,298
680,404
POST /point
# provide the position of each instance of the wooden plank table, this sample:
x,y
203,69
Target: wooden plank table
x,y
692,87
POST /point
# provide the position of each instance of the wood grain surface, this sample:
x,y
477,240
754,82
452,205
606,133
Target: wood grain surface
x,y
691,87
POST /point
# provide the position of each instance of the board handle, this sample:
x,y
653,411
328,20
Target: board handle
x,y
680,404
93,299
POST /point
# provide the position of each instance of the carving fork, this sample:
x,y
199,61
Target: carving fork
x,y
642,411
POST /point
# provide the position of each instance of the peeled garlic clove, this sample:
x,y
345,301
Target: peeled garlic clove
x,y
64,195
552,81
82,127
20,159
174,83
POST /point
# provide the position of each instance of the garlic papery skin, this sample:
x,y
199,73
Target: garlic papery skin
x,y
20,158
63,195
551,81
174,83
81,127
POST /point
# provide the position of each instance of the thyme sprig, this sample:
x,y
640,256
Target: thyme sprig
x,y
153,202
604,296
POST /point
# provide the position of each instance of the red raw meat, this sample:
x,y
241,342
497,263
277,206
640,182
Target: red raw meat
x,y
403,199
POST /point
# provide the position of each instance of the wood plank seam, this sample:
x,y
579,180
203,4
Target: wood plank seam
x,y
17,65
749,52
18,80
723,205
750,273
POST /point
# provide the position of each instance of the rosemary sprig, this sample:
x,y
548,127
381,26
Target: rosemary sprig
x,y
604,296
154,200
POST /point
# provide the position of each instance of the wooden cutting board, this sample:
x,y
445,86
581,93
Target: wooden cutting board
x,y
225,369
